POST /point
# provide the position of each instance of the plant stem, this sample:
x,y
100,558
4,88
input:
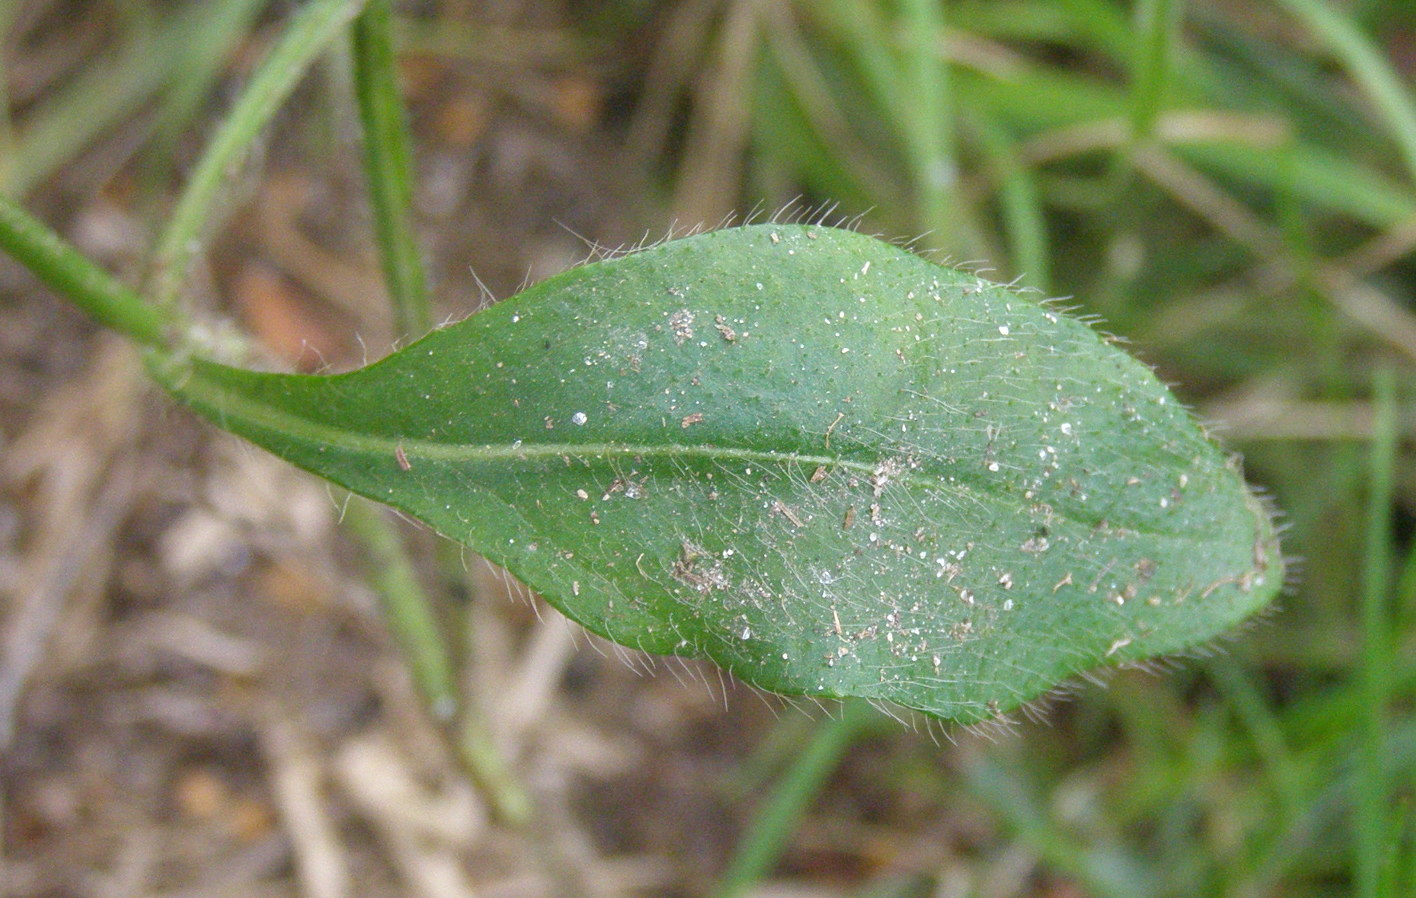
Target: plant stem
x,y
410,610
1372,819
309,32
388,165
64,269
208,44
480,757
405,606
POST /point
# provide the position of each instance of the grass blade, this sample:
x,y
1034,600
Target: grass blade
x,y
1372,72
773,824
1020,205
200,61
92,102
406,607
1252,711
1372,817
70,273
1006,789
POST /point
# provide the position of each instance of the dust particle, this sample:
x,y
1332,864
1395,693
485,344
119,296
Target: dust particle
x,y
723,328
785,511
681,322
698,569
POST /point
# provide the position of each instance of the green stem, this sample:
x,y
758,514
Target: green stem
x,y
773,824
389,171
1371,816
483,760
64,269
310,31
201,56
406,607
1156,22
388,165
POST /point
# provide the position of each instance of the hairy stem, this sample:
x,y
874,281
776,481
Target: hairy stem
x,y
388,165
64,269
308,34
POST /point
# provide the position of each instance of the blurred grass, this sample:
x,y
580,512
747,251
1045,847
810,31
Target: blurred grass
x,y
1232,185
1373,816
388,166
311,30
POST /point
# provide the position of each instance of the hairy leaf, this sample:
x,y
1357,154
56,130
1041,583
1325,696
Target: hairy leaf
x,y
829,465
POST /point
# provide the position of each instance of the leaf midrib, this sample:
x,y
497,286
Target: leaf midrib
x,y
227,404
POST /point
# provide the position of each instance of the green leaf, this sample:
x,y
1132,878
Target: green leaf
x,y
829,465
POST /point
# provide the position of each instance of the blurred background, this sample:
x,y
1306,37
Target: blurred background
x,y
198,696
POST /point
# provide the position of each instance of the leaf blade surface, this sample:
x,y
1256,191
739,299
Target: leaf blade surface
x,y
829,465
